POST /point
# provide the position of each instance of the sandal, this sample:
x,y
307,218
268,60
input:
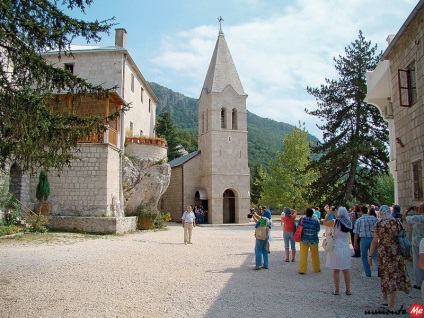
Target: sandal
x,y
348,293
287,260
335,293
293,260
384,305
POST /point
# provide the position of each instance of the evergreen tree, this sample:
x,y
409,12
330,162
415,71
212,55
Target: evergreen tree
x,y
355,138
165,128
289,181
187,140
30,132
257,184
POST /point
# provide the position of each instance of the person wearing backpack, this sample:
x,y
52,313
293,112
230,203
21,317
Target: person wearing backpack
x,y
261,252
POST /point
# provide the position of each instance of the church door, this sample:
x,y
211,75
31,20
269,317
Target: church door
x,y
229,207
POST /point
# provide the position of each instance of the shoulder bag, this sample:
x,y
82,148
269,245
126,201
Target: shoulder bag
x,y
328,242
261,232
404,243
298,234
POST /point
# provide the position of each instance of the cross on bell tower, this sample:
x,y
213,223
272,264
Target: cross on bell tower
x,y
220,19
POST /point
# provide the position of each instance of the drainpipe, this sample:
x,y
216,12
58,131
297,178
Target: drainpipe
x,y
122,142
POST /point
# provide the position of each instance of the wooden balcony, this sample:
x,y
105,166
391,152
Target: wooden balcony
x,y
110,136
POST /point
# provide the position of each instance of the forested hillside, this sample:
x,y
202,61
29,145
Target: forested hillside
x,y
265,135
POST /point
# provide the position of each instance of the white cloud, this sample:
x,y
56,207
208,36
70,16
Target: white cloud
x,y
278,57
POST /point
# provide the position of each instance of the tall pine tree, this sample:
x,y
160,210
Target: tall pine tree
x,y
30,132
165,128
355,137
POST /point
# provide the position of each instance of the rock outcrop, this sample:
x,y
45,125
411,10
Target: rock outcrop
x,y
144,182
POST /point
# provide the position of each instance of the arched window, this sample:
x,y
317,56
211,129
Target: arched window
x,y
223,118
234,119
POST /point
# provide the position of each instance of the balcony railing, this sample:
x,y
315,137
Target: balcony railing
x,y
110,136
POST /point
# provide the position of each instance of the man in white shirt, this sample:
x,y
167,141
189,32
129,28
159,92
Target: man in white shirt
x,y
189,221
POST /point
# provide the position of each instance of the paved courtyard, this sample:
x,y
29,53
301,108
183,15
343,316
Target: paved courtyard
x,y
153,274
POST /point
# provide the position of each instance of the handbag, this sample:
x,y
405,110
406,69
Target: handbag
x,y
298,234
404,243
328,242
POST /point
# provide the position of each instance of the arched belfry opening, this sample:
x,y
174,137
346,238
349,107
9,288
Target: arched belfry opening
x,y
223,118
229,206
234,125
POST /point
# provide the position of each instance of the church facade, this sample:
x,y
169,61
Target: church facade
x,y
217,175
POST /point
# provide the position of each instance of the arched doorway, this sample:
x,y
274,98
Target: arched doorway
x,y
15,186
229,207
201,198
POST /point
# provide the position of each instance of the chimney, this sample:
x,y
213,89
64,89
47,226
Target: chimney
x,y
120,37
390,38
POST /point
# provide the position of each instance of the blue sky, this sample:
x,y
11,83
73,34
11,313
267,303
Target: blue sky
x,y
279,47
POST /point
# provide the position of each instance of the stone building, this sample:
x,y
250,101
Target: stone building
x,y
93,185
217,175
396,87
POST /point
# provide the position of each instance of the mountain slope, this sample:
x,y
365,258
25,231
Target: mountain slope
x,y
265,136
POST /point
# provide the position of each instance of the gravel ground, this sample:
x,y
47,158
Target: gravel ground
x,y
153,274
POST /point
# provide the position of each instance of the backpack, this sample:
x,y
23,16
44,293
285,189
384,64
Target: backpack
x,y
261,232
404,244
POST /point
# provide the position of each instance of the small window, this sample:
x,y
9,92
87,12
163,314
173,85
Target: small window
x,y
407,81
417,179
142,92
132,82
69,67
150,105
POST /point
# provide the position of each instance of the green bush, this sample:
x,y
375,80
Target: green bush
x,y
8,204
146,218
9,229
37,223
161,220
43,187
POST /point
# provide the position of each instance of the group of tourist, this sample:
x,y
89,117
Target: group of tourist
x,y
372,231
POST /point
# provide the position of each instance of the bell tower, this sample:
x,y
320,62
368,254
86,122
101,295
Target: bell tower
x,y
222,138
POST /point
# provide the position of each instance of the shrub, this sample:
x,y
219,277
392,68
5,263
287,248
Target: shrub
x,y
43,187
161,219
146,217
37,223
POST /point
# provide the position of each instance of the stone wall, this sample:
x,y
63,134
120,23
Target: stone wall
x,y
171,200
408,121
86,188
98,225
154,152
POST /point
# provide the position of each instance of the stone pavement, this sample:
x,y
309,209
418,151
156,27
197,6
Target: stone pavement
x,y
153,274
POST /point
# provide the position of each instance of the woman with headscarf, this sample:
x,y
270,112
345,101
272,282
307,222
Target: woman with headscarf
x,y
339,258
261,252
287,222
309,241
391,267
396,212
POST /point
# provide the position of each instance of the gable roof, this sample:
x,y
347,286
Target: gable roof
x,y
182,160
76,49
222,71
